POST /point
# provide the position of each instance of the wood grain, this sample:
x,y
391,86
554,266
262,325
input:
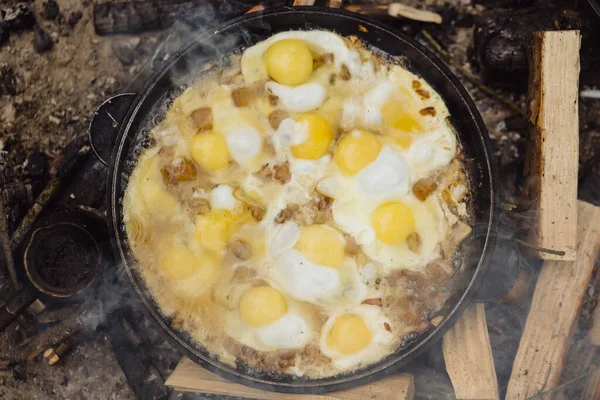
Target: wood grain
x,y
190,377
468,356
594,333
556,301
592,385
552,162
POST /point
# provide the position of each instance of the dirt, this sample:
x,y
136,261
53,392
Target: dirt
x,y
57,91
89,372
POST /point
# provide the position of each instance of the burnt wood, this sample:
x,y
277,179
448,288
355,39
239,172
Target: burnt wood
x,y
142,16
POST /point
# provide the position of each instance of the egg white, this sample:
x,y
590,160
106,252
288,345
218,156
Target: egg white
x,y
379,346
319,42
307,281
291,331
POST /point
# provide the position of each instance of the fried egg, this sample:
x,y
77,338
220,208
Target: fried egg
x,y
189,273
310,265
356,337
291,54
266,320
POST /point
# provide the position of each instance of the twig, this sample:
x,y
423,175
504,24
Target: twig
x,y
4,238
538,248
47,194
470,77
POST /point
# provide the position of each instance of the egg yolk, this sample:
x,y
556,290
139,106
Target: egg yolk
x,y
289,62
262,305
321,245
210,151
179,262
357,150
349,334
318,139
214,229
392,222
396,114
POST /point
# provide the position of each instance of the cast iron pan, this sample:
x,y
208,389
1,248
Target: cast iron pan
x,y
147,108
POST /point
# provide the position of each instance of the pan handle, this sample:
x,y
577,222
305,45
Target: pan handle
x,y
16,305
106,124
502,272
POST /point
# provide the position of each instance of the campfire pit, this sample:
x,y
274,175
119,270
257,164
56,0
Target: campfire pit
x,y
476,347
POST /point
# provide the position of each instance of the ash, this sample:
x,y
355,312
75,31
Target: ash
x,y
54,76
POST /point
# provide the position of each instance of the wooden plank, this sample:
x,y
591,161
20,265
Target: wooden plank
x,y
592,385
552,162
190,377
395,10
304,2
468,356
400,10
556,301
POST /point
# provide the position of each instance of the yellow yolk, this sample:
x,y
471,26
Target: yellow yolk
x,y
321,245
210,151
356,151
392,222
262,305
214,229
179,262
349,334
397,115
403,141
289,62
318,139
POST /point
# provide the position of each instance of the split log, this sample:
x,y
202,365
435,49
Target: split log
x,y
189,377
552,163
468,356
556,301
396,10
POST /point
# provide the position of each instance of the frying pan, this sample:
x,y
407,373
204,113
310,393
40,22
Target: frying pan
x,y
128,137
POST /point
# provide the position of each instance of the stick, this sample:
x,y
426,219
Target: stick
x,y
468,356
552,161
6,250
53,355
51,189
556,301
402,10
193,378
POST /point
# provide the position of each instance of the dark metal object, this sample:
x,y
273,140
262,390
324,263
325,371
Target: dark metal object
x,y
502,273
149,107
61,260
107,119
